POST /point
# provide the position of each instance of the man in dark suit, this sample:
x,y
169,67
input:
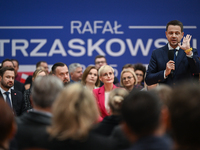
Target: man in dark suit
x,y
17,85
32,125
184,63
14,98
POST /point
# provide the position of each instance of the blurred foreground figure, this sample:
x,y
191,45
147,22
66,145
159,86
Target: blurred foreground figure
x,y
74,114
144,121
7,125
32,125
184,109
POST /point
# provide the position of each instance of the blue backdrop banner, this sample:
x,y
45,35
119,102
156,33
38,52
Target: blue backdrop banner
x,y
77,30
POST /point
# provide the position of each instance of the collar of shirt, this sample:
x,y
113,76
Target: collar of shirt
x,y
42,112
3,91
171,48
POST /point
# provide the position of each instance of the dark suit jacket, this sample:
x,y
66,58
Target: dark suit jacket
x,y
106,126
19,86
184,66
31,130
17,102
32,133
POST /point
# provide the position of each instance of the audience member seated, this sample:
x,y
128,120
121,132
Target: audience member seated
x,y
100,61
90,78
28,82
128,66
140,71
7,125
16,67
76,72
115,101
12,97
28,105
60,70
184,109
128,80
74,114
106,75
144,118
32,125
17,85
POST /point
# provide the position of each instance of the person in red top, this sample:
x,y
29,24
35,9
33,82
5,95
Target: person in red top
x,y
106,75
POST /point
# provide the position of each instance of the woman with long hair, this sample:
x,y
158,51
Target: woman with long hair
x,y
74,114
90,78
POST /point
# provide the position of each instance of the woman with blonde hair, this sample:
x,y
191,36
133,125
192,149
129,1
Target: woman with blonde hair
x,y
128,80
90,78
27,93
115,101
106,75
74,114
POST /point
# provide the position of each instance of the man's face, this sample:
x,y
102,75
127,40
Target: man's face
x,y
174,35
16,67
7,81
63,74
100,62
45,66
77,74
8,64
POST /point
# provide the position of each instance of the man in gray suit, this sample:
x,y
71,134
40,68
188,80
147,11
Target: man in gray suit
x,y
32,125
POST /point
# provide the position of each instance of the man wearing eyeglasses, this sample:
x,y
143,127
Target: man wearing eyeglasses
x,y
100,60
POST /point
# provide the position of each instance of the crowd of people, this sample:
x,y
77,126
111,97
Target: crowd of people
x,y
68,108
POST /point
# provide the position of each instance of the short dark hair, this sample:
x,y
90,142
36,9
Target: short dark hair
x,y
16,61
141,67
141,111
99,56
38,63
175,23
59,64
6,120
4,69
7,59
184,109
128,66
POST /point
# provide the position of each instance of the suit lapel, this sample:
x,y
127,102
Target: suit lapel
x,y
179,58
164,53
14,98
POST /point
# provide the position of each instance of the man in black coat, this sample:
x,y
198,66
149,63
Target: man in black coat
x,y
32,125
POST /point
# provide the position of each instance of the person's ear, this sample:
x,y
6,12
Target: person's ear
x,y
128,132
182,34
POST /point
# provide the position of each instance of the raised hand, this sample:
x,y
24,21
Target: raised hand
x,y
186,42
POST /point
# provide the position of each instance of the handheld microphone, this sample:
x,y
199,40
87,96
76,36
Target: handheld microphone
x,y
171,57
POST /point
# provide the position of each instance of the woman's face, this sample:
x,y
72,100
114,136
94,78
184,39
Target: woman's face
x,y
139,75
128,79
92,76
107,77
